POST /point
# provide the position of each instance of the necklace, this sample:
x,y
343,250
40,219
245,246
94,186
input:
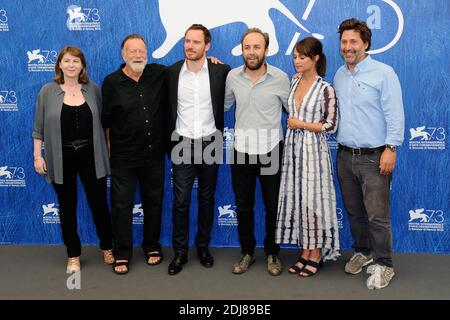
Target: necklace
x,y
73,91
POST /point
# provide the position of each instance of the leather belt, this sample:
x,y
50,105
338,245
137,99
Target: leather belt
x,y
361,150
203,140
77,144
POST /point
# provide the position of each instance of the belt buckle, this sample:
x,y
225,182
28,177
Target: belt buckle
x,y
357,151
76,145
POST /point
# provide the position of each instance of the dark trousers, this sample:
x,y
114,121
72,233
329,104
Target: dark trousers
x,y
123,190
82,162
184,175
244,177
366,197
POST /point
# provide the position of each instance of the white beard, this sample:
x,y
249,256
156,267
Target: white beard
x,y
137,67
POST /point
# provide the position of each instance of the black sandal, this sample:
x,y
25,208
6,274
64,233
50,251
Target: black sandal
x,y
154,254
297,268
310,273
121,263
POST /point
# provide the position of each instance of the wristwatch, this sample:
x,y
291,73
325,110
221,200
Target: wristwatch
x,y
391,147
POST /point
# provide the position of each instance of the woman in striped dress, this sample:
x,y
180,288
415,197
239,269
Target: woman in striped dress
x,y
307,199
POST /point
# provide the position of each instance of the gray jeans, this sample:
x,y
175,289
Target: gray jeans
x,y
366,197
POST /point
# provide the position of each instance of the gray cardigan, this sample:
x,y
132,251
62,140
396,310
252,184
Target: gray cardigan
x,y
47,127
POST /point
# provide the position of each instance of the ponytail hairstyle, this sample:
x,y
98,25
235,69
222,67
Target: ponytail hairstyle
x,y
311,47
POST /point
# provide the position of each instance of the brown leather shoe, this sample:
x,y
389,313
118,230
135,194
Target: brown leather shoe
x,y
73,265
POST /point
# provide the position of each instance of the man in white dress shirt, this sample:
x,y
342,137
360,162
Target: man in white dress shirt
x,y
196,89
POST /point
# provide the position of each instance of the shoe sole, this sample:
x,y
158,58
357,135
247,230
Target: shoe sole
x,y
275,274
360,269
373,287
174,273
376,288
71,272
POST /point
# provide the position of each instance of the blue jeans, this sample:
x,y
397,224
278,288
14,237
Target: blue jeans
x,y
366,197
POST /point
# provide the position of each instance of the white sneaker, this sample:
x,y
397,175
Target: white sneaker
x,y
73,265
380,276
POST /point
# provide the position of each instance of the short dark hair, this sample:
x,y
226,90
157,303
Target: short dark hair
x,y
206,33
359,26
76,52
256,30
132,36
311,47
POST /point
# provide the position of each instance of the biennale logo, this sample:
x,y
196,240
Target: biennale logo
x,y
331,140
138,214
419,133
83,19
427,138
8,100
3,20
12,176
227,216
177,16
41,60
6,173
35,56
426,220
340,218
75,15
50,213
228,138
418,215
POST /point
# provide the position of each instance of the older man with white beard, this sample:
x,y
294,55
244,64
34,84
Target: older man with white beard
x,y
134,118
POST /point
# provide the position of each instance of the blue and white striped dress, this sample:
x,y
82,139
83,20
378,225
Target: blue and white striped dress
x,y
307,198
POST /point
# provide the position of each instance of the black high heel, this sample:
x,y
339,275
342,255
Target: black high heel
x,y
297,268
313,264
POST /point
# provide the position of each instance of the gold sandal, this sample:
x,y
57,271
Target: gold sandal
x,y
108,256
73,265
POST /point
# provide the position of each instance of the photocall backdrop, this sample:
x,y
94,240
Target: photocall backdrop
x,y
411,36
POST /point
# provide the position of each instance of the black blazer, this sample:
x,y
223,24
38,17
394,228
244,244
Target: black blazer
x,y
217,78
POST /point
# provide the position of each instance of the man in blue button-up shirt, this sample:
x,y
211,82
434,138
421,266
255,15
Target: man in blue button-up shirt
x,y
371,127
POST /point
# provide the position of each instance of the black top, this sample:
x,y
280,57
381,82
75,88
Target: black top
x,y
135,113
76,122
